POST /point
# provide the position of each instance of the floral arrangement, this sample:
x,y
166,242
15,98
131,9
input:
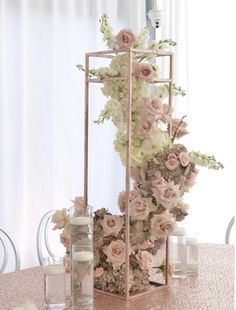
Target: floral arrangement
x,y
162,169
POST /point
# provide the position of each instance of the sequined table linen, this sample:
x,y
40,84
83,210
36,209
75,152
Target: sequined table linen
x,y
212,289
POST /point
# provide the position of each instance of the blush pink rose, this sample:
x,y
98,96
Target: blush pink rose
x,y
126,38
99,271
144,127
60,219
162,225
122,198
143,71
112,225
153,108
115,253
172,164
167,195
184,159
145,259
139,208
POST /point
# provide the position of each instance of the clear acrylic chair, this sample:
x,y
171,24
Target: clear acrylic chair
x,y
228,231
9,252
47,240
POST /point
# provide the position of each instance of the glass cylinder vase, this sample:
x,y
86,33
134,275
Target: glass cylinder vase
x,y
81,230
192,253
178,253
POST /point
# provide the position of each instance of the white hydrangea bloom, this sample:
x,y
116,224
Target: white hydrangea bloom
x,y
161,92
155,143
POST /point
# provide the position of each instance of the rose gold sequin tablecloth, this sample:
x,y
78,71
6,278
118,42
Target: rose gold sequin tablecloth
x,y
212,289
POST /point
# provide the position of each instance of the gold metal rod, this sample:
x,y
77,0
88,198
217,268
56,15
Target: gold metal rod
x,y
86,129
128,156
170,92
115,78
126,50
167,262
96,80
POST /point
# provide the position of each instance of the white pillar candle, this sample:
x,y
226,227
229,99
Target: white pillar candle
x,y
54,269
81,220
83,256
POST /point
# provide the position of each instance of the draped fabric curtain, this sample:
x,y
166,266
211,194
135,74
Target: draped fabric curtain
x,y
41,106
211,79
204,67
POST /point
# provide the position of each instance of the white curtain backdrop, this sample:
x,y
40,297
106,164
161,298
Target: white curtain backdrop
x,y
205,66
212,66
41,108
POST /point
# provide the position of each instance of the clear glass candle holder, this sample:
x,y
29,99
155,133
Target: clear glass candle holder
x,y
81,225
54,282
178,255
192,253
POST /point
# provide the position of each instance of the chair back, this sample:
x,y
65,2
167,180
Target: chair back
x,y
9,248
228,231
47,239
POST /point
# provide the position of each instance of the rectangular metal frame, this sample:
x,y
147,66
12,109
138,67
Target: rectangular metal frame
x,y
110,54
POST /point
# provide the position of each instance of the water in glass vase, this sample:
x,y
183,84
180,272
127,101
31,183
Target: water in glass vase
x,y
54,286
82,262
82,280
178,253
192,256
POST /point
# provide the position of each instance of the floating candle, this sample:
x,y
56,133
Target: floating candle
x,y
54,269
191,241
179,232
192,267
81,220
83,256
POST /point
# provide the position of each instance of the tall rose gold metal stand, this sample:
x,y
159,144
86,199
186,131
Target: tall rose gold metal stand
x,y
110,54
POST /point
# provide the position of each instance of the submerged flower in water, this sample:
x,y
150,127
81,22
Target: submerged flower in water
x,y
65,237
